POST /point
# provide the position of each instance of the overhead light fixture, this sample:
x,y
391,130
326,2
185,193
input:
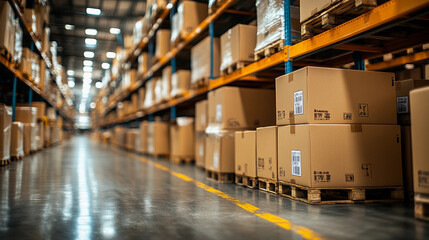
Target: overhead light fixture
x,y
87,75
105,66
110,54
70,72
87,63
92,105
93,11
87,69
69,27
91,41
115,30
88,54
98,84
71,84
91,31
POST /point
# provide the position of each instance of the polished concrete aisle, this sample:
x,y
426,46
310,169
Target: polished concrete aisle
x,y
86,190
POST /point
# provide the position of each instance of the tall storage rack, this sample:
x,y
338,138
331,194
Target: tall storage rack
x,y
340,45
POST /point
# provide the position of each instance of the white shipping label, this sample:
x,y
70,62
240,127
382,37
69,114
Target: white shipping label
x,y
296,163
298,103
219,113
402,104
216,160
201,150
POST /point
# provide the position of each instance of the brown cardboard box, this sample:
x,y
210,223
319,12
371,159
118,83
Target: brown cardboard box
x,y
189,15
182,138
26,114
29,131
162,43
141,98
158,138
143,64
200,149
330,95
17,140
5,127
340,155
6,27
42,135
134,102
310,7
36,135
403,89
180,82
419,99
201,115
133,140
46,135
241,108
237,45
415,73
144,126
43,76
266,152
41,108
166,83
220,151
407,161
200,60
245,153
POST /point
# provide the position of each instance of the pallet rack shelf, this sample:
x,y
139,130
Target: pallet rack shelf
x,y
345,37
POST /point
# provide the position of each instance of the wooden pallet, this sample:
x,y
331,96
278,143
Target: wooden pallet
x,y
4,162
6,54
203,82
269,50
340,195
200,167
421,206
268,185
233,67
250,182
16,158
182,159
334,15
220,177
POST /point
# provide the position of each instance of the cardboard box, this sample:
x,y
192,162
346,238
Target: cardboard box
x,y
157,90
309,8
200,149
237,45
266,152
354,156
330,95
220,151
25,114
46,135
407,161
133,140
144,126
52,115
241,108
141,96
180,82
162,43
189,15
166,83
40,106
200,60
29,133
201,115
182,138
5,127
403,89
36,134
245,153
419,99
143,64
17,140
158,142
415,73
7,27
42,135
149,93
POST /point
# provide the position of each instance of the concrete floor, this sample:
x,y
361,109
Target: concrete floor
x,y
86,190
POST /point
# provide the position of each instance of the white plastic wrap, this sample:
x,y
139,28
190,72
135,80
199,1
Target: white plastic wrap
x,y
7,27
158,90
35,137
17,140
17,56
5,133
141,29
270,16
149,96
143,64
175,26
166,83
180,82
200,60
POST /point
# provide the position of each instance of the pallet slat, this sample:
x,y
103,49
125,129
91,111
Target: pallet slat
x,y
250,182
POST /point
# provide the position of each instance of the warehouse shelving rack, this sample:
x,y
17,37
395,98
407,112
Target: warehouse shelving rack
x,y
364,37
19,76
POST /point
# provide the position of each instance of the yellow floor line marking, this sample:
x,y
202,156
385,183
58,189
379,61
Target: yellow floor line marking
x,y
281,222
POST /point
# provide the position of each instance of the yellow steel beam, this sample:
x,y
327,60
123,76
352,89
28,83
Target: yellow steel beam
x,y
385,13
412,58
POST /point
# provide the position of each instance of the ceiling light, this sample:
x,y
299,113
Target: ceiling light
x,y
92,105
91,31
90,41
69,27
105,66
88,54
110,54
115,30
71,84
87,63
87,69
98,85
93,11
70,72
87,75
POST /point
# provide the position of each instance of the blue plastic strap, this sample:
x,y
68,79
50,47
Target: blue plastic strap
x,y
30,97
287,32
173,113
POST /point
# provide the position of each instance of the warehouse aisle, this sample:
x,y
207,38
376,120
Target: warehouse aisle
x,y
82,190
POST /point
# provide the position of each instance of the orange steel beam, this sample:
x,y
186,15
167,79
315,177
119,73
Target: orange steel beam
x,y
416,57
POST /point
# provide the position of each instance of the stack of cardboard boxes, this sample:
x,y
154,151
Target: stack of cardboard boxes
x,y
5,133
189,15
201,120
182,140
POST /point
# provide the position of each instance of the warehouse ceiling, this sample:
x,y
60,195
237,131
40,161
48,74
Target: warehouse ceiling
x,y
72,14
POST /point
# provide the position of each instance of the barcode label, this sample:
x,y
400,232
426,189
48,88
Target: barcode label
x,y
298,103
402,104
219,113
296,163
